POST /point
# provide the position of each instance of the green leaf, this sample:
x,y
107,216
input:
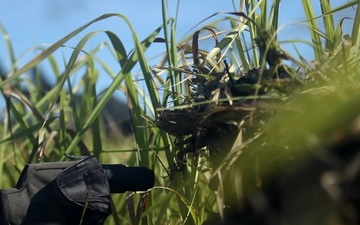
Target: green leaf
x,y
125,71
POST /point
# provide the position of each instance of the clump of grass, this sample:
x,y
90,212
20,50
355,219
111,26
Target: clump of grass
x,y
213,116
226,118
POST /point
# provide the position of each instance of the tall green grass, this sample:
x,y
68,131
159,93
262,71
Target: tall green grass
x,y
38,128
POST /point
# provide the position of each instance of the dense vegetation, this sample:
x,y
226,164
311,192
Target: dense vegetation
x,y
244,131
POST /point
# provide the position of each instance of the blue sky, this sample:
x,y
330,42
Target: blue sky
x,y
42,22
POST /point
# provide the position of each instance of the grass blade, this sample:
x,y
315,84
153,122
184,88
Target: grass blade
x,y
125,71
309,12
